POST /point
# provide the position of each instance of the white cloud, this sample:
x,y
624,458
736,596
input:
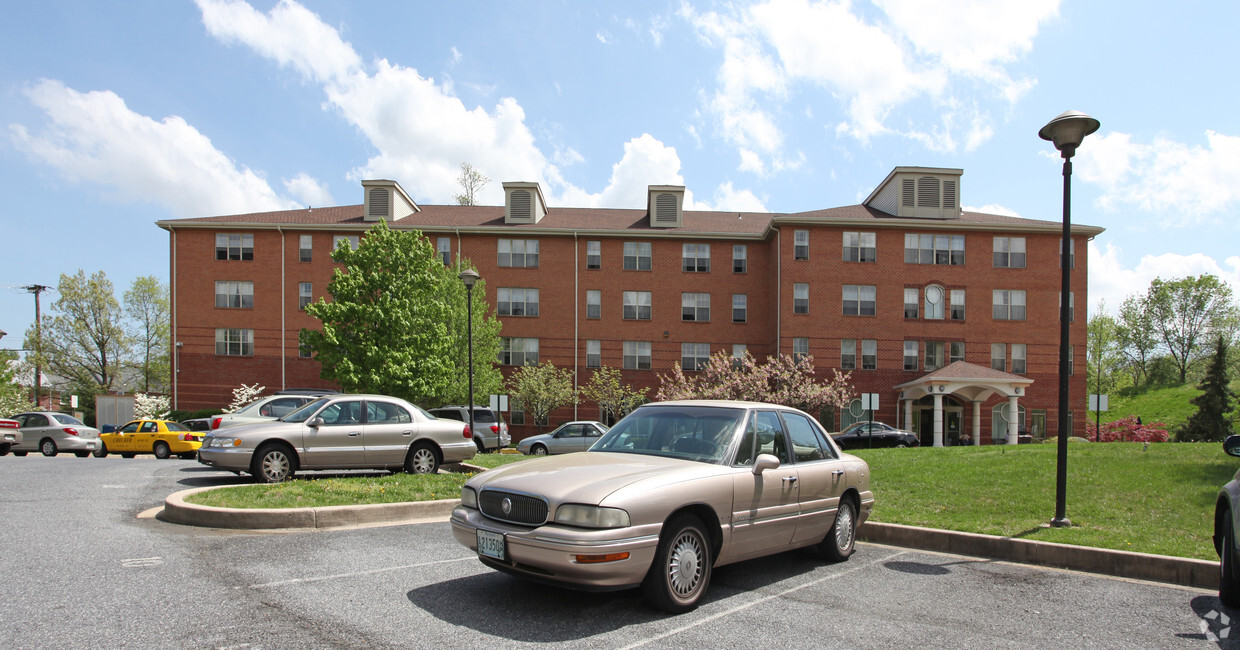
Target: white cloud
x,y
1109,280
603,37
727,198
308,191
94,137
456,54
646,161
290,34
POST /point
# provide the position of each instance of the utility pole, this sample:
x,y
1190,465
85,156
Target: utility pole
x,y
37,289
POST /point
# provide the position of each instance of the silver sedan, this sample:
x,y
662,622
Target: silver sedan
x,y
51,433
574,436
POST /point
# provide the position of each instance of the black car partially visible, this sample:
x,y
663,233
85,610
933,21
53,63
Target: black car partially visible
x,y
863,435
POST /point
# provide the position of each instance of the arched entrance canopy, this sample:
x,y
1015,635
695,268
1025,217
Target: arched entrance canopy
x,y
968,381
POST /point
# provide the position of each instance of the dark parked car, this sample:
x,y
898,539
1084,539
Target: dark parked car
x,y
197,424
1226,516
866,434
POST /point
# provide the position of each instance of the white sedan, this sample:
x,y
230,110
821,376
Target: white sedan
x,y
574,436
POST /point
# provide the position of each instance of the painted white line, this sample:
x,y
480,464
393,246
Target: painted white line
x,y
137,562
337,576
729,612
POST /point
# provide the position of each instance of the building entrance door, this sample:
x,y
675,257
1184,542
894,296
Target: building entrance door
x,y
953,419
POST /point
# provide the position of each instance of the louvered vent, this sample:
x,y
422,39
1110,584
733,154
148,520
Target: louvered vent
x,y
949,194
908,192
520,206
927,192
665,209
380,203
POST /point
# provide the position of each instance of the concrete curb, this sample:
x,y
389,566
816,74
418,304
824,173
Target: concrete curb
x,y
1188,572
177,510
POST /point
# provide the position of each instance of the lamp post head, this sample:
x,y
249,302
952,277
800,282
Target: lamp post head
x,y
1067,131
2,333
469,277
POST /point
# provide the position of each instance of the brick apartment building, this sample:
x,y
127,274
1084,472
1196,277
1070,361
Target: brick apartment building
x,y
951,317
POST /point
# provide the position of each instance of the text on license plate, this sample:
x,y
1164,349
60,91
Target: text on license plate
x,y
492,545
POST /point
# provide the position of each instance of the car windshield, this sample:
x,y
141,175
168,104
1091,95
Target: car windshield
x,y
700,433
302,414
67,419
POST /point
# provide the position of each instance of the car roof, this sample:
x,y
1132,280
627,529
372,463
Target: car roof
x,y
719,403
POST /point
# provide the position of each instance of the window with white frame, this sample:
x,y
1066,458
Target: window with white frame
x,y
594,304
1000,416
234,295
800,298
998,356
304,351
234,246
738,353
859,299
1071,360
848,354
518,352
1009,252
934,355
1071,305
516,301
516,416
800,244
444,246
957,301
636,305
694,356
933,249
353,240
696,257
305,295
517,253
910,355
636,355
1071,252
740,258
636,256
935,299
594,354
860,247
1009,304
1018,358
911,300
234,342
740,307
869,354
305,248
800,348
594,255
695,307
955,352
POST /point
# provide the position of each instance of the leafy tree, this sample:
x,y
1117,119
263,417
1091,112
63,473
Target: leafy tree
x,y
614,397
542,389
487,378
396,321
1103,354
471,181
783,380
1136,338
1210,423
84,341
1184,312
14,398
146,304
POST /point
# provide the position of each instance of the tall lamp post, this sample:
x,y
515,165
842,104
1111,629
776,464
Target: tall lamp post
x,y
1067,131
469,277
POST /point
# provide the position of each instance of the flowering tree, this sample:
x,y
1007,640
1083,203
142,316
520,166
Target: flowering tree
x,y
244,395
151,407
783,380
613,396
1128,430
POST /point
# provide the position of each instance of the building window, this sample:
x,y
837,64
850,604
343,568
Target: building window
x,y
517,414
516,302
1009,305
1071,360
594,304
740,258
910,355
1018,358
305,295
304,351
636,305
1071,252
739,350
444,246
636,256
695,307
1071,305
955,352
740,307
234,295
859,299
234,247
636,355
934,355
869,354
305,248
696,258
594,255
353,240
594,354
848,354
934,302
910,302
934,249
860,247
694,356
234,342
800,298
1010,252
800,244
800,348
998,356
518,352
1000,416
518,253
957,304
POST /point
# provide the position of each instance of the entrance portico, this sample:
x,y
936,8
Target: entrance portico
x,y
969,382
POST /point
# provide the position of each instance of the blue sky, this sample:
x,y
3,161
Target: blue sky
x,y
116,115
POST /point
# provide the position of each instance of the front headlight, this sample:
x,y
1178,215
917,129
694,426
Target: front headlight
x,y
214,442
591,516
469,498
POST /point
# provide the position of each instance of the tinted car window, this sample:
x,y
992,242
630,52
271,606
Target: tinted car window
x,y
302,414
68,419
342,414
132,427
280,407
385,413
149,427
176,426
447,414
805,445
694,433
770,434
36,420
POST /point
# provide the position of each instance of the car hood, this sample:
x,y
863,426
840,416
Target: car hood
x,y
266,429
590,477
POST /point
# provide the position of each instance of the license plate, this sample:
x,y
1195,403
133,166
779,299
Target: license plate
x,y
492,545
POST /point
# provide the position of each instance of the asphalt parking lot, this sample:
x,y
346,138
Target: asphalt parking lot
x,y
95,569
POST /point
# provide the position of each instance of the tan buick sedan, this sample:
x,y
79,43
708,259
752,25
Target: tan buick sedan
x,y
671,491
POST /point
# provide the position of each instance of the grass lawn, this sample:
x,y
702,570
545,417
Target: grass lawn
x,y
1119,497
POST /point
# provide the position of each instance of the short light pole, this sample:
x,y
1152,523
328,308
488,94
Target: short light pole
x,y
469,277
1067,131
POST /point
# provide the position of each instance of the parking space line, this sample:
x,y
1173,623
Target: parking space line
x,y
281,583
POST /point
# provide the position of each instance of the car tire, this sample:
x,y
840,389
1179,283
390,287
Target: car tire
x,y
841,540
1229,582
482,448
680,573
102,451
422,459
161,450
901,445
273,463
4,449
19,453
81,454
48,447
126,454
538,450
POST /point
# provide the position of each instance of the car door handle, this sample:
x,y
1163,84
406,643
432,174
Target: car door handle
x,y
354,434
406,433
838,472
790,479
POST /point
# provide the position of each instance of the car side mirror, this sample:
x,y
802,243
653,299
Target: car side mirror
x,y
315,422
1232,445
766,461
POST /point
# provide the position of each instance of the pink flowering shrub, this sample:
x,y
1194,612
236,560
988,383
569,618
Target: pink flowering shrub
x,y
1127,430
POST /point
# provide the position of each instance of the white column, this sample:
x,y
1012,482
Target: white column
x,y
908,415
977,423
938,419
1013,420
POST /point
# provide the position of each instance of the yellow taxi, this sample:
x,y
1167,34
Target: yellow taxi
x,y
160,437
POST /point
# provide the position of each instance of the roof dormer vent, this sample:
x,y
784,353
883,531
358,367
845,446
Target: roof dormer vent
x,y
523,203
665,205
386,200
920,192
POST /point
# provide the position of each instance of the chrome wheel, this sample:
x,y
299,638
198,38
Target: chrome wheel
x,y
162,451
539,450
48,447
842,538
422,460
274,465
